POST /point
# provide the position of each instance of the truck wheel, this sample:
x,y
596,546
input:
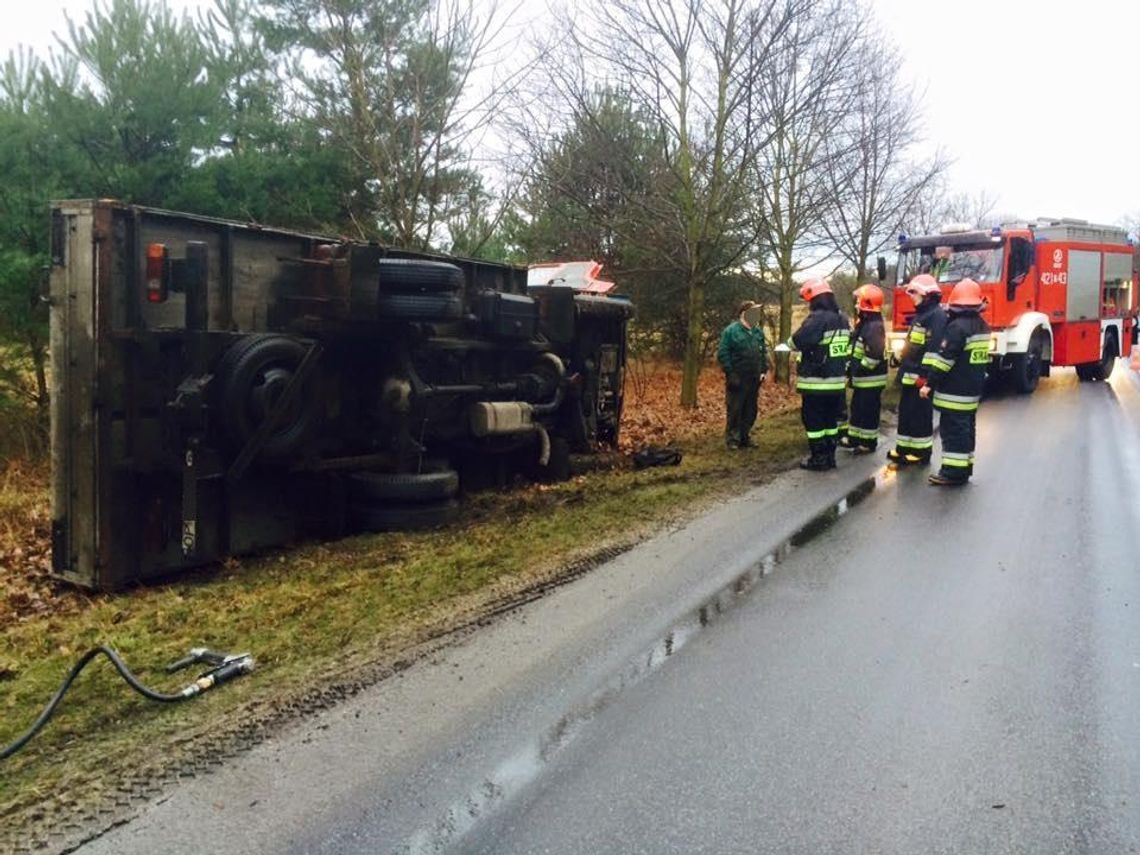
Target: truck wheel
x,y
364,517
414,276
403,486
1026,369
253,375
1108,358
419,307
1101,370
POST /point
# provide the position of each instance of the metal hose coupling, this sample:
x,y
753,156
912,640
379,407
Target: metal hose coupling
x,y
226,666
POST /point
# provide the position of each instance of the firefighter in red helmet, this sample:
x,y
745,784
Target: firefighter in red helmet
x,y
915,438
867,369
823,341
957,373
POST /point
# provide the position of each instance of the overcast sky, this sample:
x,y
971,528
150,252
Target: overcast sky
x,y
1036,106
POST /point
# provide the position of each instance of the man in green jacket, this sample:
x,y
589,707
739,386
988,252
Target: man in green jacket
x,y
743,354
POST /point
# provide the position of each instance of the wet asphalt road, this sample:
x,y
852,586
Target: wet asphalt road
x,y
953,671
938,671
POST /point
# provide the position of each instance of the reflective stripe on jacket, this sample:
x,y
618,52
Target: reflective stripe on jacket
x,y
924,335
957,369
868,345
824,343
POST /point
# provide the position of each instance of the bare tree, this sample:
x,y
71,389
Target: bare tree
x,y
936,206
803,93
691,67
875,180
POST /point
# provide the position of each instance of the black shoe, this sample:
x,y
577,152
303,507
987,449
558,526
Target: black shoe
x,y
862,449
747,443
894,455
731,444
937,479
816,464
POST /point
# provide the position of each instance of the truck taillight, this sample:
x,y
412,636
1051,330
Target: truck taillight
x,y
156,273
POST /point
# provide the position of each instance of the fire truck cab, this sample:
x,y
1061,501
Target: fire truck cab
x,y
1059,292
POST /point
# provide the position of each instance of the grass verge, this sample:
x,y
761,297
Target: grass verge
x,y
315,612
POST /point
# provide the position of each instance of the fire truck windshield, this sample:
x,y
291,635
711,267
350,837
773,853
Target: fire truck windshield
x,y
949,264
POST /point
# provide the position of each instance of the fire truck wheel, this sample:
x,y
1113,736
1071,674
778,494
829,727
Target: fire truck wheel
x,y
413,276
1108,358
403,486
419,307
364,517
253,374
1026,368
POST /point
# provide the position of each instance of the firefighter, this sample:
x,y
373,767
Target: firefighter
x,y
743,354
915,439
823,341
957,375
867,369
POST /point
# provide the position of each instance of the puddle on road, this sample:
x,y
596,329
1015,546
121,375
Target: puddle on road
x,y
513,775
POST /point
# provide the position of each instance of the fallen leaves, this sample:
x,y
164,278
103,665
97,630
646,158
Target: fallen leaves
x,y
653,414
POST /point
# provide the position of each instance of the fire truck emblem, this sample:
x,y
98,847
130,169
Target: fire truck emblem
x,y
1058,257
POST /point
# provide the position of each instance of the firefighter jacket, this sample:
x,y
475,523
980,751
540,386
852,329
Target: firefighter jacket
x,y
743,351
925,333
824,343
957,366
867,367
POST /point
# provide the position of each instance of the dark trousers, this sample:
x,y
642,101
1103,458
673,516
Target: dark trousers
x,y
820,413
864,428
741,400
841,420
916,425
958,431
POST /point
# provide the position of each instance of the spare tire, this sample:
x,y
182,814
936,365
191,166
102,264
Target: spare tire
x,y
253,374
403,486
419,307
363,517
415,276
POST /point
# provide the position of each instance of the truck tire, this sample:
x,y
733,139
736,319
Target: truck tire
x,y
253,373
403,486
1026,367
414,276
1108,358
419,307
365,517
1102,369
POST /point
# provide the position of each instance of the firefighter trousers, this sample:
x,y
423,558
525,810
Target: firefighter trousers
x,y
864,428
958,430
741,399
916,425
820,412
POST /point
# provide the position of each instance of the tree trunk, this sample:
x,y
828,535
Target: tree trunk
x,y
692,364
783,360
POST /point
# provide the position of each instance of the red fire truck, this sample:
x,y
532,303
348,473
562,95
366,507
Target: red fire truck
x,y
1059,292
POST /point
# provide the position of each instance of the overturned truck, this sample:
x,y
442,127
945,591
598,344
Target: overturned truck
x,y
220,388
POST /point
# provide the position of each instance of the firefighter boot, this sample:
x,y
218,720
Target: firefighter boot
x,y
817,461
941,479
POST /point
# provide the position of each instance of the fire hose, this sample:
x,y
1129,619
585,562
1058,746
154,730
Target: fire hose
x,y
223,667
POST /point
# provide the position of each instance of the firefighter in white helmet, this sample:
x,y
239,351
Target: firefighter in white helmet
x,y
915,439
